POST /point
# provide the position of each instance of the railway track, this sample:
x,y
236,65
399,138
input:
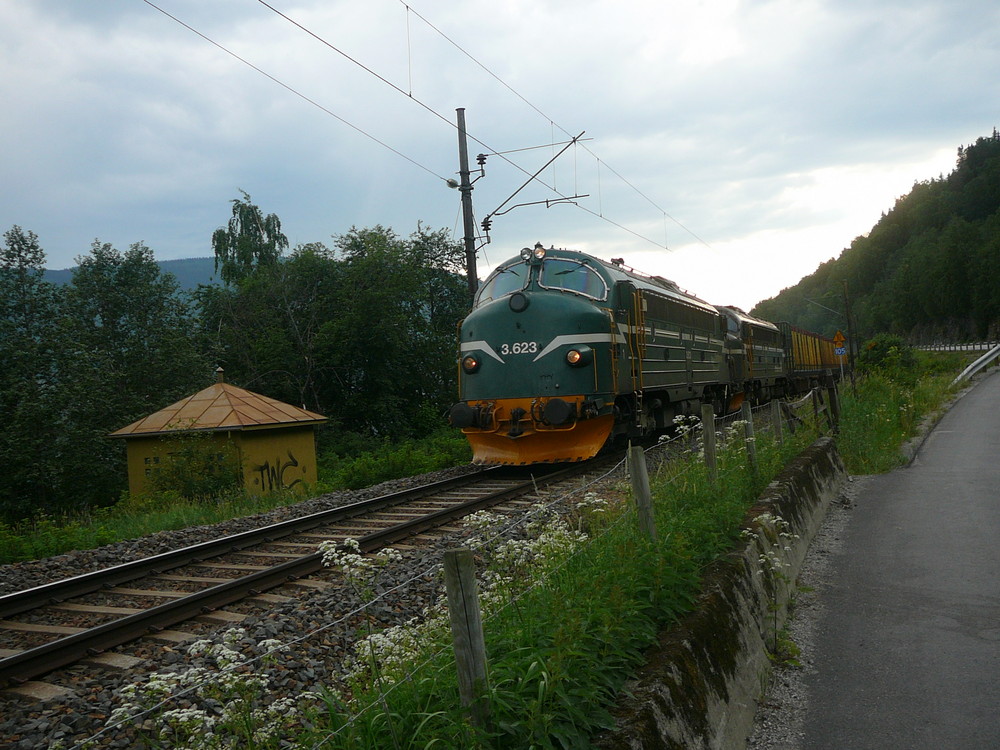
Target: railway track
x,y
150,598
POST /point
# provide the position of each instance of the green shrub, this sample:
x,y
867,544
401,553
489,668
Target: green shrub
x,y
388,460
44,536
197,465
888,355
153,501
881,413
943,363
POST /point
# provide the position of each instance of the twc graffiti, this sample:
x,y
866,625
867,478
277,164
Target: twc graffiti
x,y
272,477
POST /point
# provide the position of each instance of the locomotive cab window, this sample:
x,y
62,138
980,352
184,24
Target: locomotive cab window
x,y
503,281
572,276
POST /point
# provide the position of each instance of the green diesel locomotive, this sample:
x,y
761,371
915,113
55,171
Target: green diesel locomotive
x,y
563,351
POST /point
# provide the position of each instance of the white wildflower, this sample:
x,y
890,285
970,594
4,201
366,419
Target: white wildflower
x,y
234,635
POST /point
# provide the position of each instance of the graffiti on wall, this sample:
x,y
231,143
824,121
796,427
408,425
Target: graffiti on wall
x,y
276,476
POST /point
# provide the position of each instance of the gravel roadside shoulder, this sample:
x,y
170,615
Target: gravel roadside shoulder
x,y
781,712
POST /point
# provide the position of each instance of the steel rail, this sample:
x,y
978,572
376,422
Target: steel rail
x,y
87,583
35,662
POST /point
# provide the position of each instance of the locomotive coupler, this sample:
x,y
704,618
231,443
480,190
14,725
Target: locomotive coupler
x,y
515,422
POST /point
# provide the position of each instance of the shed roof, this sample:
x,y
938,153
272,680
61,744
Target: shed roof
x,y
221,406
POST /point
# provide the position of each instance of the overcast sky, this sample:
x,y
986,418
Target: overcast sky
x,y
733,146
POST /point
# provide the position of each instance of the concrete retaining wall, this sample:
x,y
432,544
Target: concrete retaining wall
x,y
700,685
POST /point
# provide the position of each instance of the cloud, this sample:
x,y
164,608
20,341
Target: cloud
x,y
754,139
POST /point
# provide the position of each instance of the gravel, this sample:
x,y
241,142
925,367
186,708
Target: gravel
x,y
316,661
318,626
24,575
781,713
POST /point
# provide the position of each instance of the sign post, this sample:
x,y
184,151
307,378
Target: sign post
x,y
840,350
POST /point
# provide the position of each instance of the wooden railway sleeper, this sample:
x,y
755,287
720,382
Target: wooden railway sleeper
x,y
35,662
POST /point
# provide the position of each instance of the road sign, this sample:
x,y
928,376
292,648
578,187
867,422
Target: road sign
x,y
839,339
840,351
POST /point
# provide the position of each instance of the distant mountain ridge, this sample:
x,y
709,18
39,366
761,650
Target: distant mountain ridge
x,y
190,272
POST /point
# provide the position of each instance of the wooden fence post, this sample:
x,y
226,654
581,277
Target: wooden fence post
x,y
746,413
790,417
834,398
777,418
708,439
640,488
467,635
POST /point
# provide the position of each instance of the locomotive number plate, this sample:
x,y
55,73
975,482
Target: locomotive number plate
x,y
519,347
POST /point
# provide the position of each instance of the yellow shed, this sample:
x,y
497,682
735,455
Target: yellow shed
x,y
274,441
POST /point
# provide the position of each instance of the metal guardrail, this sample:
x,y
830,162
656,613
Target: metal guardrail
x,y
980,364
967,347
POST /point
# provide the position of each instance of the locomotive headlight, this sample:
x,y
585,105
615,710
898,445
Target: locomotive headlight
x,y
525,253
579,357
539,251
470,364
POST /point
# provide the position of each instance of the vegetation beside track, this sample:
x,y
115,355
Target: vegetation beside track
x,y
883,410
566,627
567,624
351,464
898,390
563,644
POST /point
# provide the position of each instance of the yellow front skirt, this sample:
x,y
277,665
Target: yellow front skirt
x,y
537,441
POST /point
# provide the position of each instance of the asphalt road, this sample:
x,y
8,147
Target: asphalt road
x,y
907,652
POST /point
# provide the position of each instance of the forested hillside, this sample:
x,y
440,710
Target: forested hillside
x,y
928,270
363,332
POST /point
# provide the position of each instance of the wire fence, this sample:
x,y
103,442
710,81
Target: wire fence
x,y
814,412
658,454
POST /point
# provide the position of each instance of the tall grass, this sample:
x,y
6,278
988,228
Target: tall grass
x,y
140,515
561,646
131,518
392,460
566,631
886,407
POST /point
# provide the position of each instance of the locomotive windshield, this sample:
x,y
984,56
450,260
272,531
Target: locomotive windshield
x,y
573,276
503,281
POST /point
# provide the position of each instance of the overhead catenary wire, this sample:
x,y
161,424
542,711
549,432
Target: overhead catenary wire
x,y
409,95
307,98
295,91
393,86
552,122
